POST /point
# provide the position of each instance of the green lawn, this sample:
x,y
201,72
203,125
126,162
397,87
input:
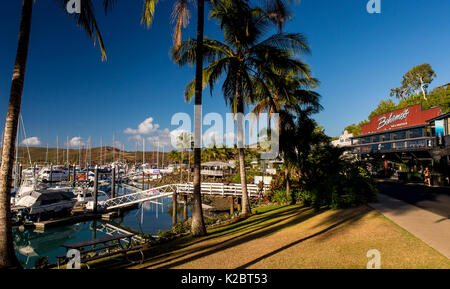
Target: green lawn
x,y
298,237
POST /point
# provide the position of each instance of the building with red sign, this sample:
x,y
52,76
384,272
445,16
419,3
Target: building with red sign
x,y
412,116
406,134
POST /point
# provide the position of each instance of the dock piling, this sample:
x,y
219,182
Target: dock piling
x,y
185,208
95,189
174,208
113,182
231,205
51,174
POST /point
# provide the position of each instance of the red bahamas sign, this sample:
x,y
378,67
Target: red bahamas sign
x,y
400,118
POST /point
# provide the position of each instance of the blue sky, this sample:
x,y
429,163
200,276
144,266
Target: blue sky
x,y
70,92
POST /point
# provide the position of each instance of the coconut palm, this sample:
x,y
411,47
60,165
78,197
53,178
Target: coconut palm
x,y
241,57
283,92
181,14
85,19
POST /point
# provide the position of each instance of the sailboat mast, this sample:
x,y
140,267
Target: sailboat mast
x,y
114,148
135,153
143,151
57,150
101,152
162,162
157,157
90,150
68,153
79,152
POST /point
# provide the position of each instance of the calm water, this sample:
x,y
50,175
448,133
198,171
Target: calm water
x,y
148,218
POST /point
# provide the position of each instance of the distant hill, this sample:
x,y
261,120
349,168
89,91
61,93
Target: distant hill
x,y
38,155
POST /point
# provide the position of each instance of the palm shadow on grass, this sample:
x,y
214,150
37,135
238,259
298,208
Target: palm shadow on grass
x,y
258,226
255,225
261,231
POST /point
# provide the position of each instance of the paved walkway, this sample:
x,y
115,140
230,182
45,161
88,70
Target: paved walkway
x,y
431,228
433,199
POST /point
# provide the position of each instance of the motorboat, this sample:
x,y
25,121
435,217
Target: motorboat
x,y
84,195
29,185
39,202
56,174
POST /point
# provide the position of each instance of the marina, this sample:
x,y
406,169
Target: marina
x,y
56,205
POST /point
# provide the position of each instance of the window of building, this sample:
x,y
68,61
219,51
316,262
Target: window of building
x,y
386,137
399,144
386,146
400,134
416,132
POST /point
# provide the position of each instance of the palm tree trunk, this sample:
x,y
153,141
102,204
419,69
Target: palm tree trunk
x,y
198,225
240,122
288,184
7,255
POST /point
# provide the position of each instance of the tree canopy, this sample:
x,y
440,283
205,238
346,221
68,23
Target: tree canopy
x,y
413,91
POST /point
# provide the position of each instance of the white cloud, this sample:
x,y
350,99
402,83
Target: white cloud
x,y
137,138
76,141
32,141
163,137
145,127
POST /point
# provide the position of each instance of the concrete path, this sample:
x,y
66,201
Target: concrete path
x,y
431,228
433,199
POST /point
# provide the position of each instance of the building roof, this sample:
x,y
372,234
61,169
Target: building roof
x,y
410,116
388,131
442,116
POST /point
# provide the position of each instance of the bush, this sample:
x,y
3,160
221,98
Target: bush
x,y
335,182
279,196
303,196
350,188
250,176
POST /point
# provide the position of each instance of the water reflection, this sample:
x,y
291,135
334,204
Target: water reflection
x,y
148,218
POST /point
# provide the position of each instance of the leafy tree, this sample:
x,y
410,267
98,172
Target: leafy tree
x,y
383,107
416,79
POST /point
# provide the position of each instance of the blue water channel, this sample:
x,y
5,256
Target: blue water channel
x,y
30,244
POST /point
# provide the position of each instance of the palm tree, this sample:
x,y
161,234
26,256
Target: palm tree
x,y
181,13
86,20
198,225
243,56
282,92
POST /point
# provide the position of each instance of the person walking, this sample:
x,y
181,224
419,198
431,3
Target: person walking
x,y
427,175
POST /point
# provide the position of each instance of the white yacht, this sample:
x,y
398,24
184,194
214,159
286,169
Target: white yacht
x,y
58,174
44,201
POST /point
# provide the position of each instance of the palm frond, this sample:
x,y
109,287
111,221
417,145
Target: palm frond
x,y
86,20
148,12
181,14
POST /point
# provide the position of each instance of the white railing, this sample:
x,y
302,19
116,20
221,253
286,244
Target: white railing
x,y
215,173
222,189
138,197
188,188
